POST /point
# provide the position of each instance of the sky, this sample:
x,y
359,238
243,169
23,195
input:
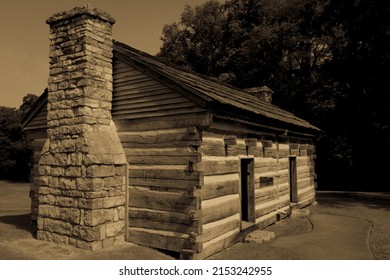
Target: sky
x,y
24,36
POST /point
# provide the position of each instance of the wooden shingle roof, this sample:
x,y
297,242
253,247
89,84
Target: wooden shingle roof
x,y
212,92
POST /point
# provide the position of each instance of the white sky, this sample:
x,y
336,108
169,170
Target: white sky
x,y
24,43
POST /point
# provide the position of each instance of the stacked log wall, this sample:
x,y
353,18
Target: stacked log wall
x,y
221,155
158,129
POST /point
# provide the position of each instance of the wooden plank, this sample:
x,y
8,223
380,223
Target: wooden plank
x,y
220,208
183,108
167,184
219,243
162,151
215,167
165,201
164,172
167,240
160,215
162,225
128,92
146,105
265,208
265,192
163,160
158,136
218,228
218,189
200,119
144,97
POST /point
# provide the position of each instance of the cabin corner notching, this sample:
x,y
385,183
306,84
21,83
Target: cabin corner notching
x,y
127,146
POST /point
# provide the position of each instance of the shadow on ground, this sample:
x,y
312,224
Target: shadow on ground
x,y
378,201
22,221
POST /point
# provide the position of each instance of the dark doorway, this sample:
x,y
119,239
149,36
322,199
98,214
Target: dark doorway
x,y
293,180
247,192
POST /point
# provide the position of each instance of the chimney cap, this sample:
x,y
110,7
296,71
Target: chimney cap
x,y
87,9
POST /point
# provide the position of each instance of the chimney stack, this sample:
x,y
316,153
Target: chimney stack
x,y
83,166
263,93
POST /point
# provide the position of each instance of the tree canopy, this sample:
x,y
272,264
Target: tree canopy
x,y
326,61
15,152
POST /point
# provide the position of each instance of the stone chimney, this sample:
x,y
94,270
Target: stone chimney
x,y
82,167
263,93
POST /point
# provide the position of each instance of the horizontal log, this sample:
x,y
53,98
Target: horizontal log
x,y
305,182
147,105
159,136
219,208
217,189
265,208
214,167
162,225
167,122
255,151
218,228
160,215
161,151
265,192
177,110
165,201
167,240
265,162
270,152
167,184
214,148
236,150
230,140
252,142
163,160
219,243
159,172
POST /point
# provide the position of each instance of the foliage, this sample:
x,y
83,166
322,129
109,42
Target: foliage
x,y
326,60
15,153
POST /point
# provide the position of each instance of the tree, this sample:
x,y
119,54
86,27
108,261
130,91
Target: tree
x,y
326,60
15,152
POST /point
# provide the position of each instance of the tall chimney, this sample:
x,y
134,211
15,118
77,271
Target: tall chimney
x,y
263,93
83,166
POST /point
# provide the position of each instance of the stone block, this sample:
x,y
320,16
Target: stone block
x,y
115,229
109,242
67,183
96,194
259,236
114,181
110,202
89,184
66,201
52,237
57,226
121,212
100,171
99,216
73,171
87,233
90,204
49,211
71,215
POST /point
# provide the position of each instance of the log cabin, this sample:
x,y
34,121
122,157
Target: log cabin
x,y
128,147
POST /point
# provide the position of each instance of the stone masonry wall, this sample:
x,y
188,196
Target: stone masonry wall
x,y
83,167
